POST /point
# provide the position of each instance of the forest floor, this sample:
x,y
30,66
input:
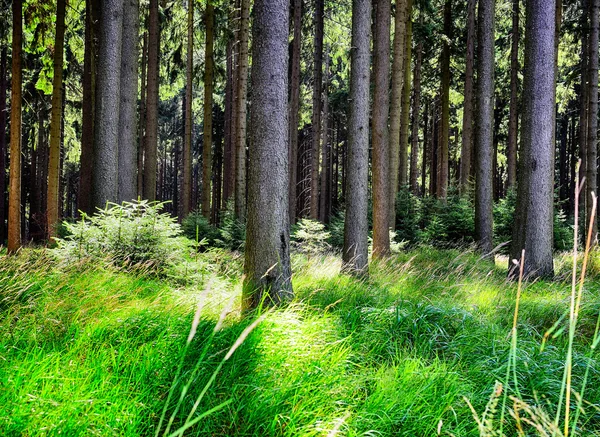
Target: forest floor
x,y
89,350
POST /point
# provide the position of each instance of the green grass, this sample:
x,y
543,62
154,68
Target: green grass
x,y
88,350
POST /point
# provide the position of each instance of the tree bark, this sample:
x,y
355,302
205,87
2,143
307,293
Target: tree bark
x,y
316,110
484,120
414,148
592,136
242,91
209,18
142,119
295,107
151,145
534,210
356,226
584,99
55,122
14,199
324,197
228,137
406,91
267,261
186,198
442,188
127,169
3,80
467,126
513,123
398,72
425,149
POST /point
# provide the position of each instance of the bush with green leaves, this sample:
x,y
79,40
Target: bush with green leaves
x,y
448,223
134,235
310,237
230,234
408,217
336,231
197,228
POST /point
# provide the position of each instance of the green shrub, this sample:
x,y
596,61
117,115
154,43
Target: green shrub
x,y
135,234
336,231
408,217
310,237
449,223
231,234
197,228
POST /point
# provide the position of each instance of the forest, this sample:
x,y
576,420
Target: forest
x,y
299,218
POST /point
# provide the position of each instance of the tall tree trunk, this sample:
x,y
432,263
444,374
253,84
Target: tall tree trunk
x,y
398,72
151,145
186,197
267,262
381,106
240,124
142,119
534,211
584,99
316,110
467,126
592,136
14,200
442,189
3,76
356,226
209,19
406,91
435,139
414,148
127,175
53,214
513,123
484,136
295,107
108,85
323,199
228,137
563,159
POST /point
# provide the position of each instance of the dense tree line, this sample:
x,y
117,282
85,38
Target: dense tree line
x,y
279,110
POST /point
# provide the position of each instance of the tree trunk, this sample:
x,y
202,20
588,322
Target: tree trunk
x,y
295,107
484,120
127,176
151,145
381,106
228,137
316,110
242,91
467,126
442,189
414,148
209,19
3,80
592,136
425,149
187,136
406,90
398,72
14,200
267,262
534,211
53,214
323,199
513,123
356,227
584,99
142,119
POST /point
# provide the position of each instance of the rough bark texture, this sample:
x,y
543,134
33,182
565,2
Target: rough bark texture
x,y
484,120
399,47
584,99
295,107
14,199
592,136
356,230
267,256
414,148
513,123
381,106
186,197
3,76
55,121
228,137
240,124
108,85
209,19
150,147
442,186
406,90
128,105
142,119
534,211
324,199
316,110
467,126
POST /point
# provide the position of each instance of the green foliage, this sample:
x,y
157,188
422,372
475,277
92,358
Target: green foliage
x,y
134,235
448,223
408,216
197,228
336,231
310,237
231,234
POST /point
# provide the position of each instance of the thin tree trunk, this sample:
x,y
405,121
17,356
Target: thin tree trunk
x,y
209,19
127,175
267,262
425,148
398,72
442,189
513,123
295,107
381,106
484,136
3,80
151,145
142,119
534,211
406,91
324,200
592,136
584,99
242,91
316,110
356,227
53,214
228,137
187,137
467,127
414,148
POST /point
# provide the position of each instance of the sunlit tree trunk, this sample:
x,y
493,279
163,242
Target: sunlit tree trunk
x,y
240,124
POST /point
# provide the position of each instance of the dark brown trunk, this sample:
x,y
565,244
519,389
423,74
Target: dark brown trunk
x,y
442,188
414,148
294,105
467,127
209,19
142,119
316,109
3,80
513,123
151,144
